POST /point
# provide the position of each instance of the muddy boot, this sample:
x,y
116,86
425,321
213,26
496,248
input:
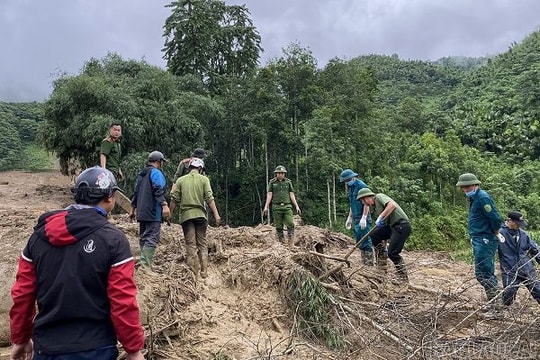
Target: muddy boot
x,y
290,238
193,262
493,309
203,258
280,236
367,258
401,270
382,259
147,256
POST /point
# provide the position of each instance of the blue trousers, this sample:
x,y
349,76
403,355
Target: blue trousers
x,y
150,232
511,282
359,233
484,250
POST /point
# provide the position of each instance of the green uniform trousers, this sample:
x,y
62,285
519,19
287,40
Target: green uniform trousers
x,y
283,215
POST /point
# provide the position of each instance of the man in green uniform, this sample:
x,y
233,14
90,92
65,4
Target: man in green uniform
x,y
111,150
192,192
281,194
393,227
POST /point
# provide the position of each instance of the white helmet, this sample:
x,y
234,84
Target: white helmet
x,y
196,163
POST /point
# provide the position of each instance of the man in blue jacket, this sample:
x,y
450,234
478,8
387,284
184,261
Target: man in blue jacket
x,y
484,222
150,206
516,255
359,216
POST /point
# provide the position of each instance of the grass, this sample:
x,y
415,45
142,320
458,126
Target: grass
x,y
312,304
33,158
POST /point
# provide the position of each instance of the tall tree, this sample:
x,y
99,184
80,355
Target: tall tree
x,y
211,40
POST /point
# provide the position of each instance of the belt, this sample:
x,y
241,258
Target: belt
x,y
400,222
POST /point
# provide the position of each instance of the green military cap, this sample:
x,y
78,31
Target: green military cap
x,y
365,192
280,169
467,179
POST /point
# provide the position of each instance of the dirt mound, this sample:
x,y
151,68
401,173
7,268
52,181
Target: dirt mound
x,y
263,300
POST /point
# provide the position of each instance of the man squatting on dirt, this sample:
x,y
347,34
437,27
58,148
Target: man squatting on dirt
x,y
516,254
79,269
393,227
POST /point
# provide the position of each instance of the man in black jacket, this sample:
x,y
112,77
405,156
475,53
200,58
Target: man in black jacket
x,y
516,254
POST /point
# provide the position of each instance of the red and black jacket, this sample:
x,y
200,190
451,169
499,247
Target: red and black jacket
x,y
78,268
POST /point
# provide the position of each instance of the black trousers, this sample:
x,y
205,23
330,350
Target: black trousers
x,y
396,235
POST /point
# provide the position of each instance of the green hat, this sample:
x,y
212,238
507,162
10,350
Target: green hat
x,y
467,179
364,193
280,169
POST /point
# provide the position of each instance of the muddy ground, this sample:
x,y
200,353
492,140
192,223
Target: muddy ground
x,y
245,308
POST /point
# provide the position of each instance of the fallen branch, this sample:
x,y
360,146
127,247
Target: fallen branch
x,y
330,257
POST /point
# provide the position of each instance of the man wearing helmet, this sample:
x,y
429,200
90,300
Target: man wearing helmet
x,y
358,214
183,167
192,192
78,268
484,223
281,194
393,227
149,205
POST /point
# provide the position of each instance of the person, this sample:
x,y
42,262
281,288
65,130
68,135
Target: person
x,y
192,192
393,230
516,253
359,216
111,151
149,206
78,268
484,222
183,166
280,193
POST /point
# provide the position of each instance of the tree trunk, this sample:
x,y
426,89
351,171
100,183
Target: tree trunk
x,y
329,203
334,196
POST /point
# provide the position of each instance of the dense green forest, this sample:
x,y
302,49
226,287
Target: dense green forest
x,y
409,128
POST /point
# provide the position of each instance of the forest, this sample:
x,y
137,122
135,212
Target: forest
x,y
408,127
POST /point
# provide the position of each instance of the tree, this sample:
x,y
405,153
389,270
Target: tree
x,y
211,40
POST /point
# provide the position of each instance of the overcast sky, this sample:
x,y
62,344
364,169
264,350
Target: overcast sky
x,y
41,38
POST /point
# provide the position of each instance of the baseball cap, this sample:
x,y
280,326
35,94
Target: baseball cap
x,y
517,218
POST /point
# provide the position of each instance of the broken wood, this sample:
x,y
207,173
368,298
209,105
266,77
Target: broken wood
x,y
330,257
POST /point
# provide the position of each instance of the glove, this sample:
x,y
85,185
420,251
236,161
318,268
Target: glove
x,y
501,237
363,222
348,223
380,221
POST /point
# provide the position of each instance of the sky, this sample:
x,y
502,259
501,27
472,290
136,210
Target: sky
x,y
41,39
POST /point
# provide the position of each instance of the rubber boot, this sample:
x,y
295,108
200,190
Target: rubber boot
x,y
203,258
494,308
290,238
280,236
382,258
401,270
193,263
147,256
367,257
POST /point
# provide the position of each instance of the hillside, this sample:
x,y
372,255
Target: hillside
x,y
251,305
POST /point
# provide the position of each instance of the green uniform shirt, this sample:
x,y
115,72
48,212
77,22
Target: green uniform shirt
x,y
280,191
192,191
112,150
381,200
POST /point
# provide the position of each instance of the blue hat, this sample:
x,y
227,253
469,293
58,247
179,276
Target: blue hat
x,y
346,175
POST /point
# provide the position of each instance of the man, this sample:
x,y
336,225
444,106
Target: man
x,y
192,192
484,222
516,253
358,214
149,205
280,193
111,150
78,268
183,167
393,229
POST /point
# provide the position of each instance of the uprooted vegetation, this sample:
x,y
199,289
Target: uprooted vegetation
x,y
265,301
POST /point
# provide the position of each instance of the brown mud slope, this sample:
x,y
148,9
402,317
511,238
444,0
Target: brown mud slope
x,y
262,300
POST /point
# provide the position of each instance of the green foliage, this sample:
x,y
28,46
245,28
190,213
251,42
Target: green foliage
x,y
211,40
35,158
154,113
312,304
10,145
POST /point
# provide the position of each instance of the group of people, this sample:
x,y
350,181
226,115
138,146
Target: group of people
x,y
489,235
75,253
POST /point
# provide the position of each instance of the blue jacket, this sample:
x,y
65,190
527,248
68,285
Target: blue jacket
x,y
357,208
516,252
484,219
149,194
